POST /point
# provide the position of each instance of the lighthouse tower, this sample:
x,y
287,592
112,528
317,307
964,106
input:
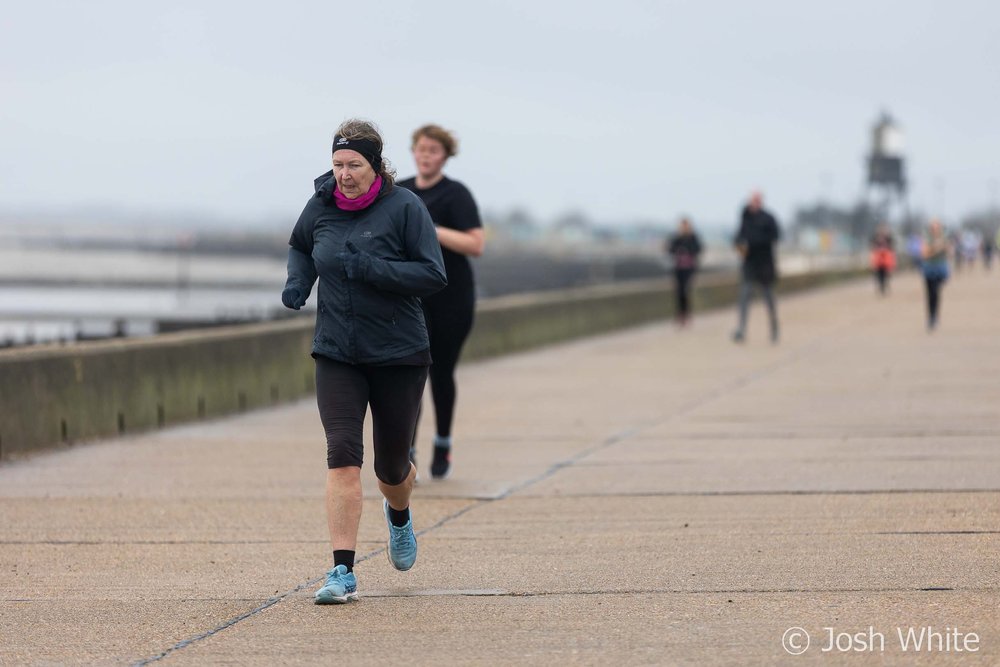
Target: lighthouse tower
x,y
886,184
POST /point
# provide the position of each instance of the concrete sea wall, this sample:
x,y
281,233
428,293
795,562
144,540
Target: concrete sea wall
x,y
57,396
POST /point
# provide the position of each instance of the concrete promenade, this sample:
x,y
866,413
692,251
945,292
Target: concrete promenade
x,y
656,496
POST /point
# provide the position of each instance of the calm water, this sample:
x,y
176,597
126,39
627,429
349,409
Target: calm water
x,y
49,294
61,313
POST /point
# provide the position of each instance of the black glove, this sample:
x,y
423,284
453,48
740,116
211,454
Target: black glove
x,y
352,261
292,298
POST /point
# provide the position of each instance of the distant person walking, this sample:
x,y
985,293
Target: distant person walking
x,y
684,248
971,241
954,241
755,241
373,248
988,249
449,313
883,257
935,268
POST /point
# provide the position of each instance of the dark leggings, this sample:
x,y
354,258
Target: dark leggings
x,y
746,291
933,298
683,277
344,392
449,320
882,278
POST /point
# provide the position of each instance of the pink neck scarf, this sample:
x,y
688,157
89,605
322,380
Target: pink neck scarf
x,y
358,203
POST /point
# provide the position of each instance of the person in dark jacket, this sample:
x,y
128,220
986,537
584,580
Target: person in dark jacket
x,y
755,241
373,248
684,247
450,312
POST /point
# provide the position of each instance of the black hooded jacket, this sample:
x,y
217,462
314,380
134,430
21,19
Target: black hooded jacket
x,y
373,266
758,233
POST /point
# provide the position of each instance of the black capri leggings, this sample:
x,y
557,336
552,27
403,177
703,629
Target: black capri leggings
x,y
683,278
449,315
933,298
344,392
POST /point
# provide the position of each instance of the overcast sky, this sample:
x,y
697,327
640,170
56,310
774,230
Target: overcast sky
x,y
623,109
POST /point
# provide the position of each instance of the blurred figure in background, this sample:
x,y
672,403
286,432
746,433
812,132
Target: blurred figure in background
x,y
935,268
755,240
449,313
971,242
684,247
883,259
988,248
954,240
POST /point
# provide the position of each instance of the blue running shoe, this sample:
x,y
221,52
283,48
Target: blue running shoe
x,y
402,547
341,586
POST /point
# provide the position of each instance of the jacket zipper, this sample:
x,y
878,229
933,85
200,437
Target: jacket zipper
x,y
350,296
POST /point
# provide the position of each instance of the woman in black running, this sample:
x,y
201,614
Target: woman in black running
x,y
373,248
449,313
684,247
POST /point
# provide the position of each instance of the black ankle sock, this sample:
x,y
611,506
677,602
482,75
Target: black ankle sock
x,y
344,557
398,518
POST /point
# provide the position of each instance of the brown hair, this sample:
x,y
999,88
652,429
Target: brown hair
x,y
356,128
438,134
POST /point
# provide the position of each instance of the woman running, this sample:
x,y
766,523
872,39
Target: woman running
x,y
374,250
684,247
935,268
449,313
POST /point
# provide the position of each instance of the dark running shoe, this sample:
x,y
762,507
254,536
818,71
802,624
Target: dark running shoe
x,y
441,465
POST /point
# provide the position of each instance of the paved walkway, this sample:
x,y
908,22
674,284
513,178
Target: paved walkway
x,y
650,497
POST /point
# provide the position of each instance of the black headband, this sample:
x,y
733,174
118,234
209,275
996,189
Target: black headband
x,y
368,149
